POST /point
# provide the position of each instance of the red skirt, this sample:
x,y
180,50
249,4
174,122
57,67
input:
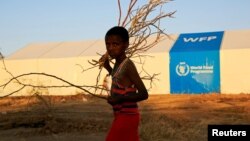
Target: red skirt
x,y
124,127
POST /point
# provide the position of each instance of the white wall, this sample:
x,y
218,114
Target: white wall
x,y
235,62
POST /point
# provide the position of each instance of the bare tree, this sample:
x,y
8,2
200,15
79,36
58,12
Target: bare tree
x,y
142,22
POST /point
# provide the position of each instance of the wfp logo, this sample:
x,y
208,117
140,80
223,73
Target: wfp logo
x,y
182,69
200,39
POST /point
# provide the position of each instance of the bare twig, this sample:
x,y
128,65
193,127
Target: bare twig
x,y
120,12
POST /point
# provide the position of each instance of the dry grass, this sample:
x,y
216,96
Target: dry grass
x,y
163,117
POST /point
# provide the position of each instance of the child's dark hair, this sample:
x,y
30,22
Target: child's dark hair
x,y
120,31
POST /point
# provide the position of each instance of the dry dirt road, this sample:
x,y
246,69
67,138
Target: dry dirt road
x,y
85,118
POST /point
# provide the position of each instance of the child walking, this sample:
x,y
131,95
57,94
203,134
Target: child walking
x,y
127,88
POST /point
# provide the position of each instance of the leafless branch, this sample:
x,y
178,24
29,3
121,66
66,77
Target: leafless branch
x,y
23,85
51,76
120,12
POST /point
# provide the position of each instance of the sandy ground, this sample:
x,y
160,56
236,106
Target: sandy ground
x,y
85,118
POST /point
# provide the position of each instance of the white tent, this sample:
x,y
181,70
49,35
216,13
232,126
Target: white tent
x,y
68,59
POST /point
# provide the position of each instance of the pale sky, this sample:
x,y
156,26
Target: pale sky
x,y
36,21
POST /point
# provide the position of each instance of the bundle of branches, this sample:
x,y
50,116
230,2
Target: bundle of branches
x,y
144,26
142,22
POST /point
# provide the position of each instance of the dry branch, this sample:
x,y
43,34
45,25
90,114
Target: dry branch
x,y
83,88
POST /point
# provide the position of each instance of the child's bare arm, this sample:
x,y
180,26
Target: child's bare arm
x,y
134,77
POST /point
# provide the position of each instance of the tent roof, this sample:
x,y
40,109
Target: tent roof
x,y
76,49
53,50
239,39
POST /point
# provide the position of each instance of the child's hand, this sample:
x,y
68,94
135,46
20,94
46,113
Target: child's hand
x,y
104,61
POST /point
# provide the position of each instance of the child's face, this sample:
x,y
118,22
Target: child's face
x,y
115,46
